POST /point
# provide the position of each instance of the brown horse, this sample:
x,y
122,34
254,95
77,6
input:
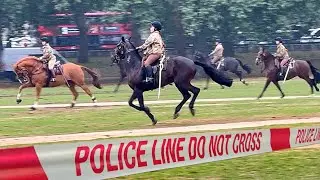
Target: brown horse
x,y
33,73
302,69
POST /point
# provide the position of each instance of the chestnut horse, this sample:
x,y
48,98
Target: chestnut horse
x,y
33,73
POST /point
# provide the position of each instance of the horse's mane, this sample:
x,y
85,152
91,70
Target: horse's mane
x,y
135,50
28,58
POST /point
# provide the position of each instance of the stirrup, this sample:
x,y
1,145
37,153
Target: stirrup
x,y
53,79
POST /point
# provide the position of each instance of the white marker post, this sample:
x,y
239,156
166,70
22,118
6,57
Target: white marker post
x,y
160,70
289,67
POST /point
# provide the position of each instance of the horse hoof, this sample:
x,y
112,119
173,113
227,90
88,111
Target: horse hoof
x,y
222,87
282,97
175,116
32,108
205,88
72,105
19,101
193,112
154,122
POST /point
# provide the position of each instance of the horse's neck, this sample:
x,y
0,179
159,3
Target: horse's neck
x,y
270,63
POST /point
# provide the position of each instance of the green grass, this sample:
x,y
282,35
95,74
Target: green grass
x,y
292,164
20,122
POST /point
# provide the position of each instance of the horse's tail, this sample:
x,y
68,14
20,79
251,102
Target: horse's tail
x,y
246,67
315,72
95,77
216,75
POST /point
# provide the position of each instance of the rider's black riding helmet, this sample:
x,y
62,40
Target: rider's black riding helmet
x,y
45,39
157,25
279,39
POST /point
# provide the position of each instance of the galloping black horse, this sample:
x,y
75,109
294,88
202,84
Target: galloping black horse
x,y
123,73
230,64
179,70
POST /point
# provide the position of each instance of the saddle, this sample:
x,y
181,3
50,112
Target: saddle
x,y
57,69
287,62
220,63
162,61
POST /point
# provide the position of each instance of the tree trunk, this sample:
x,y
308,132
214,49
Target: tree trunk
x,y
175,26
227,31
1,46
84,50
180,39
135,26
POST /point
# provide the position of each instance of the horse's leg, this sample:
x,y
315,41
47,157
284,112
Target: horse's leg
x,y
311,84
87,90
75,95
279,88
195,92
23,86
186,95
239,74
138,94
207,83
38,92
119,83
264,88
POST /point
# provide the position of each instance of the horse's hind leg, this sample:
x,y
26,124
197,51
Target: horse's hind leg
x,y
312,84
87,90
74,93
239,74
195,92
186,95
207,83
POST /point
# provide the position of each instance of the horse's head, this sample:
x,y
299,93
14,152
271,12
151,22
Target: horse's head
x,y
199,56
263,56
24,67
123,50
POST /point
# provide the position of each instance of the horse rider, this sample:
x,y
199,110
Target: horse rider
x,y
217,52
48,56
153,49
281,55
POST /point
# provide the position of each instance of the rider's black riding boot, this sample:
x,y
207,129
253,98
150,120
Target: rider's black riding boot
x,y
280,71
149,73
53,78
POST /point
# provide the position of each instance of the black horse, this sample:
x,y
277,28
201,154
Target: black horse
x,y
123,73
179,70
230,64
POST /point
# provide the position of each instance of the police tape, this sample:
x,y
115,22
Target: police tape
x,y
110,158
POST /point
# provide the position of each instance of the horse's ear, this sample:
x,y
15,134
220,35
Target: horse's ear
x,y
122,39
